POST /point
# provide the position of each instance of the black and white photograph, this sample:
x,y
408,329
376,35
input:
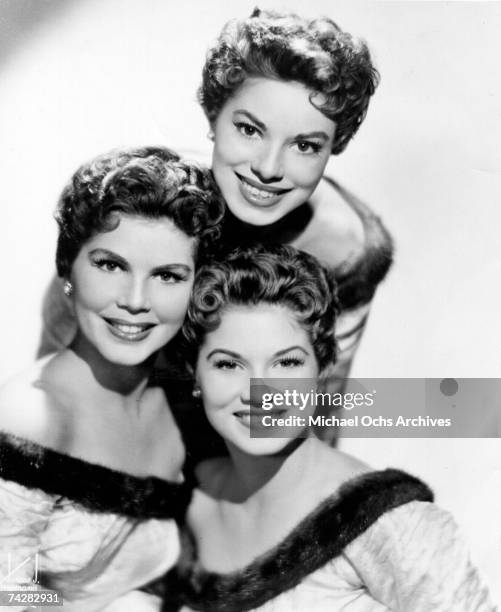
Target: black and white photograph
x,y
250,263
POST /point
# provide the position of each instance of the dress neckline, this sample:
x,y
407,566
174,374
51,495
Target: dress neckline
x,y
317,539
94,486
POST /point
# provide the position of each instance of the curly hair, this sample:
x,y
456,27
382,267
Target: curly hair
x,y
151,182
316,53
279,275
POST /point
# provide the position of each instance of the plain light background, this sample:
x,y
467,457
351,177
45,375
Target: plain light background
x,y
78,77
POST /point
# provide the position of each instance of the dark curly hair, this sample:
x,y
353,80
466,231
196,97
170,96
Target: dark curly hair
x,y
275,274
150,182
316,53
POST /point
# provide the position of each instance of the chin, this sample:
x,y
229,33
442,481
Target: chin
x,y
125,358
127,355
133,353
262,447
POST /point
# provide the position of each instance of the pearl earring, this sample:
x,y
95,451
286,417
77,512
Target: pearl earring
x,y
196,393
210,135
67,288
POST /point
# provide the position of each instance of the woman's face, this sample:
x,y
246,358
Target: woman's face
x,y
271,146
131,288
263,341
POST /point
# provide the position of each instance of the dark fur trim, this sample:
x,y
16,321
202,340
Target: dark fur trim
x,y
319,538
95,487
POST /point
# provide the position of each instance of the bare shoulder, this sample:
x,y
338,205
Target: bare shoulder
x,y
349,466
343,229
335,207
338,468
335,233
27,405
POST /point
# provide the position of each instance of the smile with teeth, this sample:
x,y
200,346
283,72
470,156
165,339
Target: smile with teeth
x,y
259,195
254,416
129,331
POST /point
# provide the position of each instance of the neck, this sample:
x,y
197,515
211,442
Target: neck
x,y
124,380
285,230
260,476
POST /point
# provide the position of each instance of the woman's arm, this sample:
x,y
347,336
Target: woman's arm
x,y
357,275
414,558
349,330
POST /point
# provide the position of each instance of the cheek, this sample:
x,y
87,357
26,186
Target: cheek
x,y
229,150
312,371
91,293
306,174
218,390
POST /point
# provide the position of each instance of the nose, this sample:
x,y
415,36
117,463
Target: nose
x,y
134,297
252,390
268,165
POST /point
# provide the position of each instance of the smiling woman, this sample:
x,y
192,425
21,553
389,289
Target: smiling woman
x,y
131,288
253,316
286,522
90,455
268,161
283,93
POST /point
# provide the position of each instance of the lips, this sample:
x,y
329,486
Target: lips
x,y
127,330
253,416
259,195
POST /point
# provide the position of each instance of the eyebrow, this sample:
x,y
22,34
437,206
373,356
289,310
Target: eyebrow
x,y
107,253
158,270
170,267
291,348
322,135
318,134
225,351
277,354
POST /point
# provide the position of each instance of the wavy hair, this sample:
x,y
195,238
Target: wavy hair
x,y
150,182
316,53
278,275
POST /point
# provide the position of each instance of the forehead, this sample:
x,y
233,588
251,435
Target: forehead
x,y
157,241
257,330
281,103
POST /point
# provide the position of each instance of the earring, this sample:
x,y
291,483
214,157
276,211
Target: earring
x,y
67,288
196,393
210,135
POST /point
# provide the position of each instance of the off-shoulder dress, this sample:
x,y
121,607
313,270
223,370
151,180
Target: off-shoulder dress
x,y
378,544
94,534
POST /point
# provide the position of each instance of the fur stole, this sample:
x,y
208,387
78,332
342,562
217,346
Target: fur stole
x,y
93,486
317,539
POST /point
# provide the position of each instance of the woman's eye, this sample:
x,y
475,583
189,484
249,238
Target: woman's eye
x,y
305,146
291,362
225,364
108,265
169,277
247,129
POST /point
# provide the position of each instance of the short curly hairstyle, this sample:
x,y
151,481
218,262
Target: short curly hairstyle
x,y
276,274
316,53
151,182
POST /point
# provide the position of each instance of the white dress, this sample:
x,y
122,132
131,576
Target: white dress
x,y
377,545
93,534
